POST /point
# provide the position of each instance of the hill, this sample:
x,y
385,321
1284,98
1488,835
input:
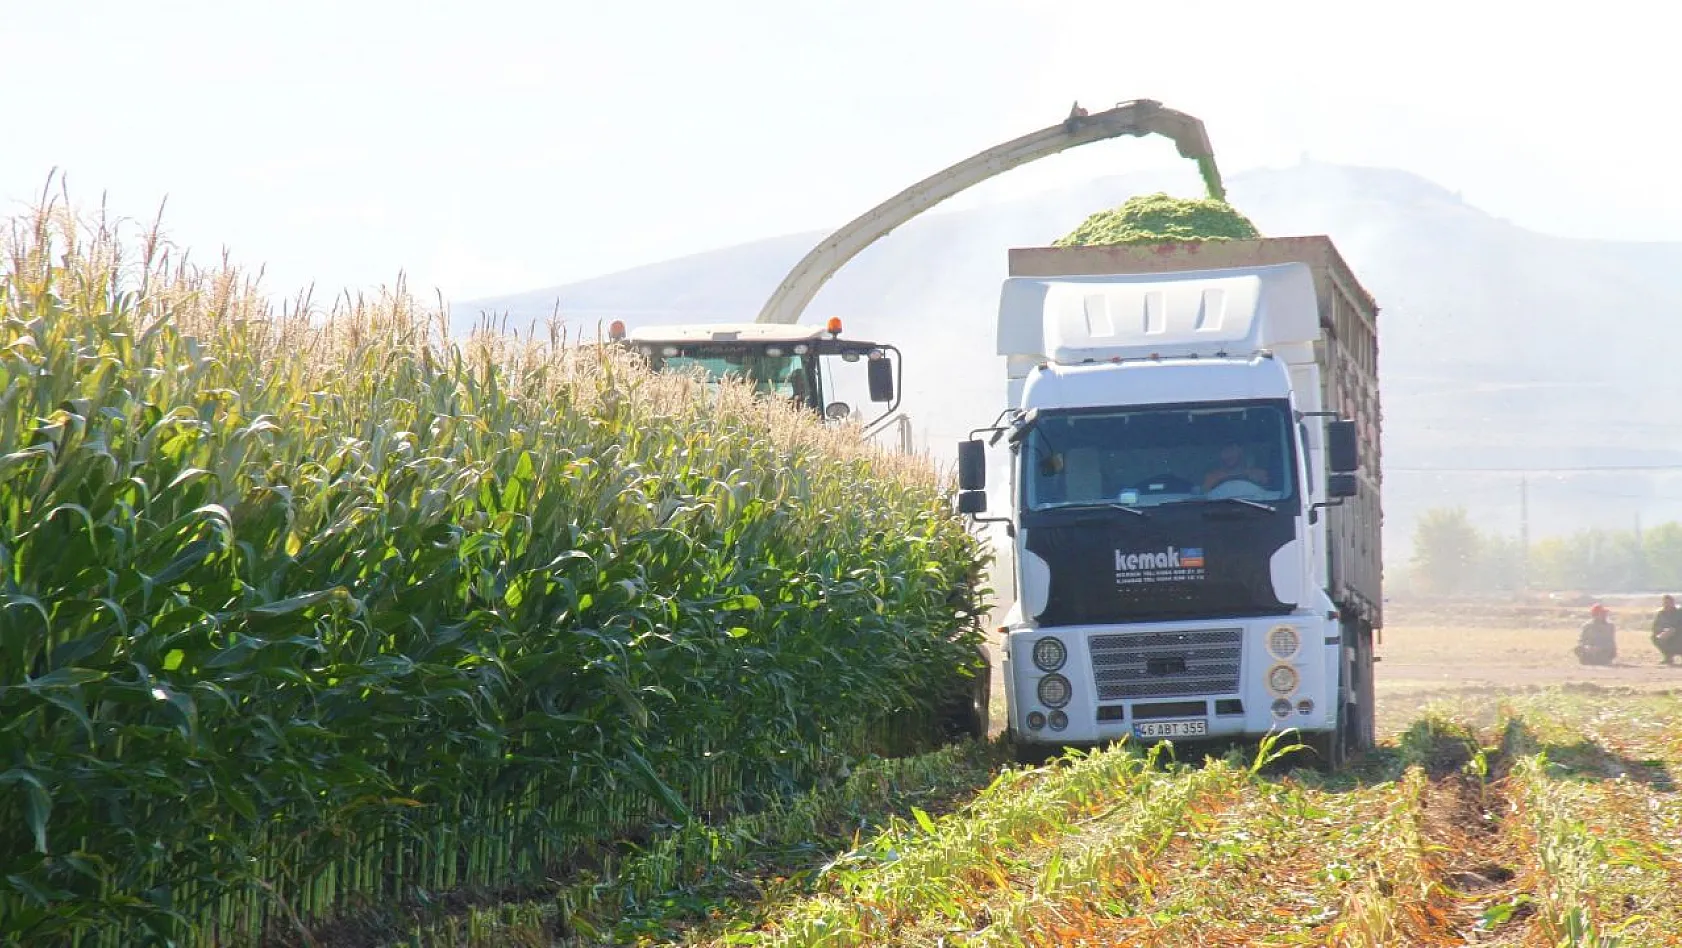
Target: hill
x,y
1500,346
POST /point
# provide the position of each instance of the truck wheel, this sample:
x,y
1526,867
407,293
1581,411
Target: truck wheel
x,y
968,711
1365,720
1031,754
981,705
1331,749
967,717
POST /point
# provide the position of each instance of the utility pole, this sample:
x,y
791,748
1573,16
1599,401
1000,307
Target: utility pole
x,y
1524,533
1640,557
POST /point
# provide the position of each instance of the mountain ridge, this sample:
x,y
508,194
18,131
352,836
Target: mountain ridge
x,y
1499,345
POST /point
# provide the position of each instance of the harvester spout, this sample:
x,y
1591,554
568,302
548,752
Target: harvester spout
x,y
1138,118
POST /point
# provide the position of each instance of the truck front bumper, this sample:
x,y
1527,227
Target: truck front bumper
x,y
1205,679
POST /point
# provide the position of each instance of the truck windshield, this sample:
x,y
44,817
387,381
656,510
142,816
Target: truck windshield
x,y
1155,456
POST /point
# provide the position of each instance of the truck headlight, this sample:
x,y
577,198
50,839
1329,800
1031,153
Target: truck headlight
x,y
1282,679
1283,641
1049,654
1054,691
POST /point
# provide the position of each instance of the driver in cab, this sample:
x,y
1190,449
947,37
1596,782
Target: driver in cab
x,y
1233,466
798,390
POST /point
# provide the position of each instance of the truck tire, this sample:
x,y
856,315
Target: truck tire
x,y
1331,748
1364,730
981,715
968,711
1033,755
1356,731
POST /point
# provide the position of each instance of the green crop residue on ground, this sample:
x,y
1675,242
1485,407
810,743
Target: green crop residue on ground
x,y
1156,218
1538,818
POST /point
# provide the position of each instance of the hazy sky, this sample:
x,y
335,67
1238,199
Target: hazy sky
x,y
491,147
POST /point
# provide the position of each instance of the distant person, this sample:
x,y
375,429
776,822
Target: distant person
x,y
1667,630
1597,644
1233,466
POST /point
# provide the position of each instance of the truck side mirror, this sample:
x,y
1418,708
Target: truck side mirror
x,y
972,465
1342,485
881,375
1343,455
972,501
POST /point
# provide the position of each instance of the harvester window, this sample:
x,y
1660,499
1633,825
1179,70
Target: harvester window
x,y
803,384
787,376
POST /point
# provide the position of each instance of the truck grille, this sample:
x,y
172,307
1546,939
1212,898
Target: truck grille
x,y
1166,664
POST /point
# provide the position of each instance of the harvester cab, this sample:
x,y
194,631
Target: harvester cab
x,y
802,363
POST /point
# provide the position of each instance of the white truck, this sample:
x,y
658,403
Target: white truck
x,y
1194,515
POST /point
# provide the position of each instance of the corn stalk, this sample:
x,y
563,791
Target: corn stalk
x,y
305,611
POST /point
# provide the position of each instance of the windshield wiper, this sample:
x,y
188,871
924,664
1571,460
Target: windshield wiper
x,y
1254,504
1097,505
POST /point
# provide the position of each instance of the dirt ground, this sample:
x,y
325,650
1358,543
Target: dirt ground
x,y
1464,646
1428,650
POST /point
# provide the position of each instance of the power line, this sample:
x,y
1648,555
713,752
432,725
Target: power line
x,y
1606,468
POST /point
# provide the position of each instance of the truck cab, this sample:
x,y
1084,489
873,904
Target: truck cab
x,y
796,362
1173,472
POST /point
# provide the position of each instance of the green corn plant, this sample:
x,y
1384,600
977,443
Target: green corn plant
x,y
305,613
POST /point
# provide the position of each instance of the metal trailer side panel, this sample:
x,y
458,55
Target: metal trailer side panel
x,y
1347,354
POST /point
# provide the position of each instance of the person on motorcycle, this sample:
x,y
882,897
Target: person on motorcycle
x,y
1667,630
1597,643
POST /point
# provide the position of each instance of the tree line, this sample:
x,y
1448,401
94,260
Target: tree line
x,y
1452,556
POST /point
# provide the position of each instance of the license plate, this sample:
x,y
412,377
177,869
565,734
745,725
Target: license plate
x,y
1172,729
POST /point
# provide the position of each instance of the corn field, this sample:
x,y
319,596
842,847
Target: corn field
x,y
307,610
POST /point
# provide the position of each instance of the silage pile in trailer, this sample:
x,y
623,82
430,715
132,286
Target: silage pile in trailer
x,y
297,619
1159,218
